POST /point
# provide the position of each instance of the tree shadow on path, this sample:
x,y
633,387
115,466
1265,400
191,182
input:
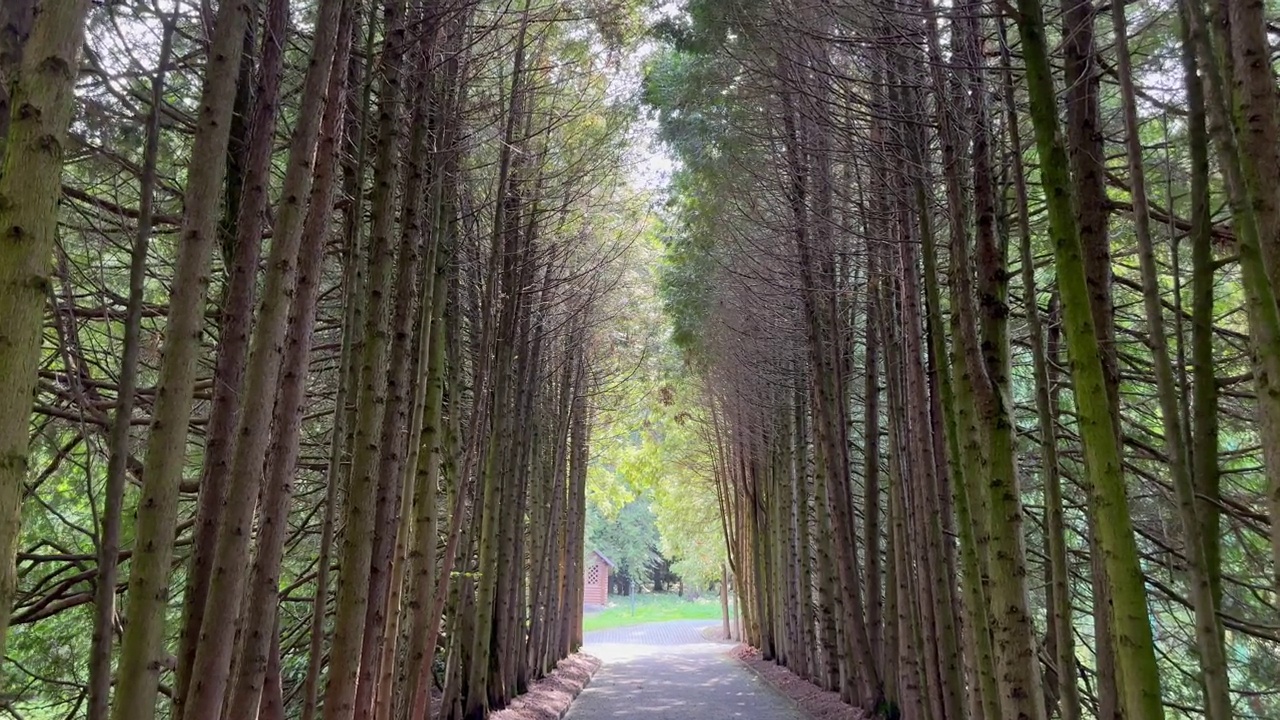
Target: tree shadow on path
x,y
669,670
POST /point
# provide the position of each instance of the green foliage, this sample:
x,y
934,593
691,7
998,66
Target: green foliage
x,y
662,461
649,446
629,539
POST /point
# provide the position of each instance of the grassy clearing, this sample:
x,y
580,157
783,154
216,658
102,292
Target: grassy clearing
x,y
651,608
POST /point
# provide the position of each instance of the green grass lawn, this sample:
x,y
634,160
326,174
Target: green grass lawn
x,y
651,608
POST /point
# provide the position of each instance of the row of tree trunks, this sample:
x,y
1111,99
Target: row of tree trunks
x,y
455,411
919,351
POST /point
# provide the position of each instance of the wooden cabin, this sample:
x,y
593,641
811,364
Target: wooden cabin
x,y
595,589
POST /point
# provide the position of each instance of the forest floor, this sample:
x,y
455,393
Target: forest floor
x,y
670,670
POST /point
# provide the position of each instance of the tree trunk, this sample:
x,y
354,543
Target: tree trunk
x,y
1204,450
140,661
1209,640
250,156
211,669
30,187
1134,643
353,585
16,18
1260,297
109,542
1060,610
340,442
258,642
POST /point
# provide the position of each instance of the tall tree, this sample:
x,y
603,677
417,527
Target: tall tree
x,y
1135,647
140,662
40,72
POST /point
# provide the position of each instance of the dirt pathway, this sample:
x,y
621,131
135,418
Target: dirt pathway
x,y
669,670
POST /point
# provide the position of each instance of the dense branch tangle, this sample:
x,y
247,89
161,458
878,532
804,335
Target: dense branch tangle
x,y
359,467
965,476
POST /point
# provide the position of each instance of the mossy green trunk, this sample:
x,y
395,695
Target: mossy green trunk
x,y
1135,649
1060,609
1210,643
30,187
1204,433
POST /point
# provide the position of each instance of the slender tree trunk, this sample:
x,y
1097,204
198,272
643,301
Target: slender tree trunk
x,y
1256,113
1260,297
505,243
30,187
353,586
871,472
1087,158
1134,643
109,542
827,599
424,563
1060,610
260,642
579,441
249,157
249,177
982,379
939,586
140,661
425,461
353,276
1209,640
910,693
961,437
1204,448
212,666
816,256
396,419
272,705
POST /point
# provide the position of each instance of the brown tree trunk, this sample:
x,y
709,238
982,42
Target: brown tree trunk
x,y
140,662
109,542
250,158
353,586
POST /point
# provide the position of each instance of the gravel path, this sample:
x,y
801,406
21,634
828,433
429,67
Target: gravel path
x,y
669,670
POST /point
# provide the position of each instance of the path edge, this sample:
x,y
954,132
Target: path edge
x,y
735,655
550,698
739,654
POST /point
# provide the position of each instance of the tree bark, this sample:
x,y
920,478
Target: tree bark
x,y
1060,610
30,187
1134,643
1209,640
249,176
140,662
353,586
16,18
109,542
